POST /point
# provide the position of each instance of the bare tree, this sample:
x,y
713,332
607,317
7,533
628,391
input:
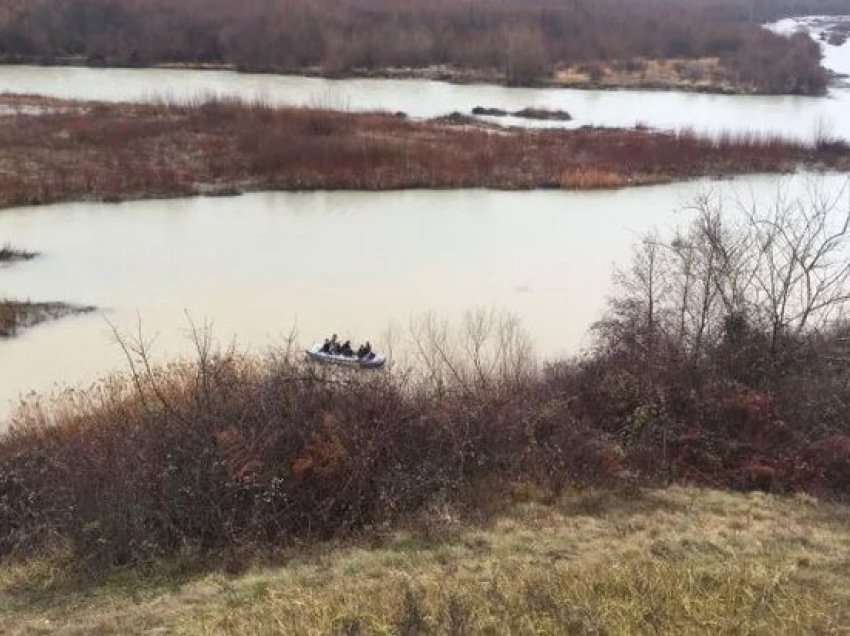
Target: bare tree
x,y
781,269
486,351
640,311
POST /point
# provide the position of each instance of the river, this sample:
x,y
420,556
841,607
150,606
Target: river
x,y
788,116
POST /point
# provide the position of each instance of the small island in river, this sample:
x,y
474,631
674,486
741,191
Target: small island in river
x,y
89,151
18,315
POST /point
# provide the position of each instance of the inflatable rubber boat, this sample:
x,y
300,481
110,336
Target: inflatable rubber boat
x,y
374,361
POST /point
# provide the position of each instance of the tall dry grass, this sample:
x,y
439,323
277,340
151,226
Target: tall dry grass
x,y
591,179
592,561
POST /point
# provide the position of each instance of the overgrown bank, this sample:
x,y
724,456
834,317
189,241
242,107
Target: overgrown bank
x,y
90,151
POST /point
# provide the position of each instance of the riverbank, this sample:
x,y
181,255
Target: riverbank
x,y
54,151
701,75
678,560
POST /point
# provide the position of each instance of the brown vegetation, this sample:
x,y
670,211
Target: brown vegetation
x,y
718,364
686,74
522,42
115,152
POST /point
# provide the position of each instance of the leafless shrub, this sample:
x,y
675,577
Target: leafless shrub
x,y
489,351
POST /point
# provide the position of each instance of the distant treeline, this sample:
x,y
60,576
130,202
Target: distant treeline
x,y
719,363
523,38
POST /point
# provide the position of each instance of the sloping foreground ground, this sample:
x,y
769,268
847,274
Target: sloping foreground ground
x,y
678,561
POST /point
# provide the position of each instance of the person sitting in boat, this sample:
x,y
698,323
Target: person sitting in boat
x,y
346,349
364,351
333,345
326,348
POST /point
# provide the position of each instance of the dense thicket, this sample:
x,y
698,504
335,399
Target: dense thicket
x,y
523,39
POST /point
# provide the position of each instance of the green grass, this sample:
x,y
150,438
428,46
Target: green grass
x,y
677,561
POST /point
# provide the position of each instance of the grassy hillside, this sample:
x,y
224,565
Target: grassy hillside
x,y
683,561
